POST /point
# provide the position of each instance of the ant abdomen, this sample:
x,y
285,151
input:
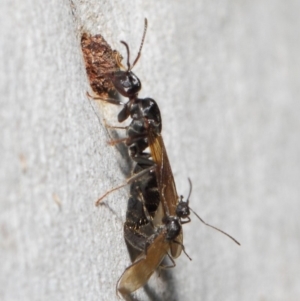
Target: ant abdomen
x,y
144,197
147,187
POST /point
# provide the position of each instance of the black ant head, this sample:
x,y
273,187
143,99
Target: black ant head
x,y
173,227
183,209
126,82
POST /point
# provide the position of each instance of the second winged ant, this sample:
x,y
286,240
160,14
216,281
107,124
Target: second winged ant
x,y
157,247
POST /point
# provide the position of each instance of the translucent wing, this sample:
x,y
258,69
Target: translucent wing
x,y
165,182
137,274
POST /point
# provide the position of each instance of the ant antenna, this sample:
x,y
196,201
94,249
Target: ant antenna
x,y
128,55
183,249
215,227
187,201
191,188
140,50
142,43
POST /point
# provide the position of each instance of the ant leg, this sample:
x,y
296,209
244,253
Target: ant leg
x,y
116,127
166,267
149,218
127,140
109,100
117,141
185,222
128,181
183,248
109,126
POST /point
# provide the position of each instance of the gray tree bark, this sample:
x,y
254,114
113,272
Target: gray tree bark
x,y
226,77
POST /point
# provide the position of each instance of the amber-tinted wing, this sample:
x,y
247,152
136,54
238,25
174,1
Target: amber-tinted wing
x,y
165,182
137,274
165,179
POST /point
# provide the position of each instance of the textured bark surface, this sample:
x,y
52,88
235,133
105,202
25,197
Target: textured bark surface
x,y
226,77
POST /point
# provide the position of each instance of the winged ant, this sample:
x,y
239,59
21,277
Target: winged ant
x,y
157,247
152,173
